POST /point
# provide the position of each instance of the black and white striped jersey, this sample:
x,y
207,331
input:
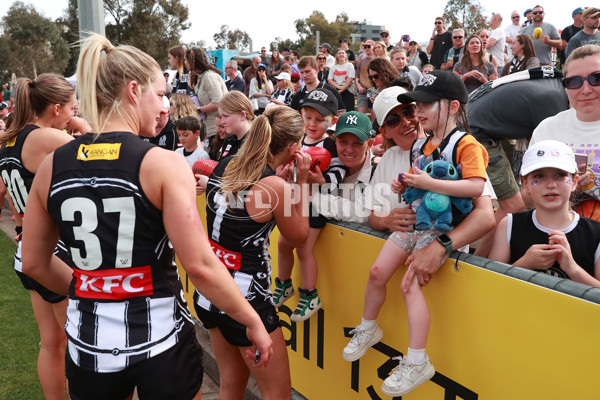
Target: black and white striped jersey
x,y
125,300
15,176
241,244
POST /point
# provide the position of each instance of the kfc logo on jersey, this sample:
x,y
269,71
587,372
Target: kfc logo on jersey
x,y
114,284
230,259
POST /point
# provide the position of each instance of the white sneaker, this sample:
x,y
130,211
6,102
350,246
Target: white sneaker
x,y
361,340
406,377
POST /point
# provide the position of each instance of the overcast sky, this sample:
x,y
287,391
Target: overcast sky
x,y
263,22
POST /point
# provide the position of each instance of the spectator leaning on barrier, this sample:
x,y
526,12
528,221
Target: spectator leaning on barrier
x,y
353,143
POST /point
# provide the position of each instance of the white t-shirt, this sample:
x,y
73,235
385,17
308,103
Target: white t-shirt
x,y
340,73
379,196
497,50
511,31
330,61
581,137
197,155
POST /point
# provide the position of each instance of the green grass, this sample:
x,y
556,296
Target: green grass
x,y
19,335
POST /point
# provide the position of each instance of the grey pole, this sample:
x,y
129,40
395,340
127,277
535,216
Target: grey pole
x,y
91,17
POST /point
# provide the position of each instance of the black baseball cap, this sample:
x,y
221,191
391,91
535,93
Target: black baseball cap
x,y
322,100
437,85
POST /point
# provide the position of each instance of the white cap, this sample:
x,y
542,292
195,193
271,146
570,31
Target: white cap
x,y
283,75
385,101
548,154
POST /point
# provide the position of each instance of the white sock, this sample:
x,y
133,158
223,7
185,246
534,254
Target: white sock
x,y
368,324
417,357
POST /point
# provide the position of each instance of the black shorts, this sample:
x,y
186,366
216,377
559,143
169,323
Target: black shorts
x,y
233,331
174,374
315,220
31,284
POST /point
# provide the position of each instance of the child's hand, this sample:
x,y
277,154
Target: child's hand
x,y
584,180
419,180
378,150
539,256
558,241
316,177
397,186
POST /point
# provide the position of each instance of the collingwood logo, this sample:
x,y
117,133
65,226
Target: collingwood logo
x,y
317,95
427,80
99,151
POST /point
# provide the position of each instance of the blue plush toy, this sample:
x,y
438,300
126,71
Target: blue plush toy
x,y
434,207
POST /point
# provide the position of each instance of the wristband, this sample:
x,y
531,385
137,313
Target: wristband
x,y
445,241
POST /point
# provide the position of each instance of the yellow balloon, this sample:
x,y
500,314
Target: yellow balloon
x,y
537,33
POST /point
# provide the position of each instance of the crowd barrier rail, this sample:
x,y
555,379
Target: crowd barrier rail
x,y
497,331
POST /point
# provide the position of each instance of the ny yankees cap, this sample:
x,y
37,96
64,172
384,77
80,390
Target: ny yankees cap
x,y
322,100
435,86
356,123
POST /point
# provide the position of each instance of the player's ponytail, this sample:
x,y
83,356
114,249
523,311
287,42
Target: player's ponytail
x,y
33,97
102,72
270,134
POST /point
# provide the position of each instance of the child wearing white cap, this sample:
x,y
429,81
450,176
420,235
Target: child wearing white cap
x,y
551,238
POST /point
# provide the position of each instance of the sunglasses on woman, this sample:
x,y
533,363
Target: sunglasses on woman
x,y
575,82
374,76
320,58
408,112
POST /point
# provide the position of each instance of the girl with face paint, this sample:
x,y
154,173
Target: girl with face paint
x,y
551,238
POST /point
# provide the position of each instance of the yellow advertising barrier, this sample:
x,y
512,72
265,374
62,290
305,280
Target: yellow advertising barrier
x,y
492,336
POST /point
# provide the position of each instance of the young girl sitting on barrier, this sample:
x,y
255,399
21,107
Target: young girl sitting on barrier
x,y
440,100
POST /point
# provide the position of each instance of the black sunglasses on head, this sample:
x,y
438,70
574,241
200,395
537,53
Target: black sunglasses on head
x,y
375,76
575,82
537,12
408,112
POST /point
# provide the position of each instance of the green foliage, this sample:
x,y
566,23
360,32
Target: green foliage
x,y
31,44
69,24
330,32
153,26
465,14
279,43
19,335
232,40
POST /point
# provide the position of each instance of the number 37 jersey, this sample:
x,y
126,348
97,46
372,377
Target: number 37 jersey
x,y
125,299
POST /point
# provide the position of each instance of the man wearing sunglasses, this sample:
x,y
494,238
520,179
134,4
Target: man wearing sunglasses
x,y
385,37
589,34
453,55
579,126
439,44
549,39
497,41
511,31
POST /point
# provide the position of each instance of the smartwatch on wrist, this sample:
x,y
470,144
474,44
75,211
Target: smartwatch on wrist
x,y
445,241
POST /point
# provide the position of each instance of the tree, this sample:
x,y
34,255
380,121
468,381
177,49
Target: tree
x,y
153,26
69,24
330,32
279,43
232,40
465,14
31,44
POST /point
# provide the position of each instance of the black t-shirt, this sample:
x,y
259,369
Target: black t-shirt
x,y
167,138
351,55
566,35
298,98
441,44
231,145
